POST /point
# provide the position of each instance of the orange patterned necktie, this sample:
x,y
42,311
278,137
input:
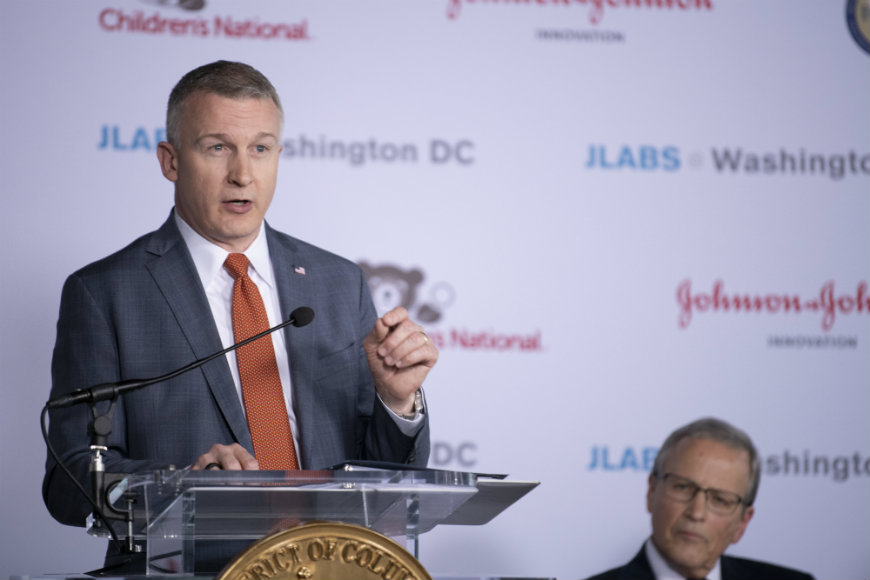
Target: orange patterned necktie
x,y
258,370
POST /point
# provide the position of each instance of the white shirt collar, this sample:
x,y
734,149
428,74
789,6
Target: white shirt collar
x,y
662,570
209,258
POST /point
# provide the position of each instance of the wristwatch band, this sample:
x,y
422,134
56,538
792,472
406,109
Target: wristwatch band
x,y
418,406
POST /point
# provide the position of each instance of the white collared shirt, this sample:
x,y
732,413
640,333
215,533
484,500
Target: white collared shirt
x,y
662,570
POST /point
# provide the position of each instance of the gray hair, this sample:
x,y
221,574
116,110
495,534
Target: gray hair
x,y
233,80
720,432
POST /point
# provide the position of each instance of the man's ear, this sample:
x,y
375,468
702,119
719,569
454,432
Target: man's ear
x,y
168,158
744,521
650,491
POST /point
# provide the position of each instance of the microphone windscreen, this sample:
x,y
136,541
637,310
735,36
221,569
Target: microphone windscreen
x,y
302,316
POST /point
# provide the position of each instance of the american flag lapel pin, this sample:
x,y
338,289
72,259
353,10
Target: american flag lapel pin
x,y
299,270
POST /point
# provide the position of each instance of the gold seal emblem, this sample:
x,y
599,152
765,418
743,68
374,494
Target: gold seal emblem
x,y
324,550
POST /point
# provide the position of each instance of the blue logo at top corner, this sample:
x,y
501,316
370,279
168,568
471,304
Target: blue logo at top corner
x,y
858,21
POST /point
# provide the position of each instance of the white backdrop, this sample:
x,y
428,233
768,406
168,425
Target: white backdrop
x,y
584,308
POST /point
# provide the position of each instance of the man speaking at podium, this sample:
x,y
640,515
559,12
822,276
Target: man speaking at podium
x,y
344,387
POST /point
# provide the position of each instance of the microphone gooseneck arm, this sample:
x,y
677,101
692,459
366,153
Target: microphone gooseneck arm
x,y
107,391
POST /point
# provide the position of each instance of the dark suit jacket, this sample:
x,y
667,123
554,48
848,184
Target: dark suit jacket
x,y
732,569
142,312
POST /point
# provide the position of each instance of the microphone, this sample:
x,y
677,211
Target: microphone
x,y
106,391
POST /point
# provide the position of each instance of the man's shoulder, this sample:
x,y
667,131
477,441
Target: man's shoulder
x,y
135,254
734,568
131,256
307,254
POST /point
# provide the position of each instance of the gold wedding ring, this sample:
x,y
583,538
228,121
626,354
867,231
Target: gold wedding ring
x,y
425,338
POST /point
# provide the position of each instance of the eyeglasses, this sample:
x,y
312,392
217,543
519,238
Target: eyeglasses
x,y
684,490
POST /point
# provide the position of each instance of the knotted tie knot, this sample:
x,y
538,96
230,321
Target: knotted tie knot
x,y
237,265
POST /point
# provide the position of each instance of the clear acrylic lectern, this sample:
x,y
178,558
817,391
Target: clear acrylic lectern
x,y
174,511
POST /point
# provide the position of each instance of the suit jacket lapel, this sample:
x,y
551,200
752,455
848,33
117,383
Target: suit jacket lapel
x,y
639,567
729,568
175,274
295,289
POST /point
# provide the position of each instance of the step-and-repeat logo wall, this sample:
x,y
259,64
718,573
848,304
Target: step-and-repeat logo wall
x,y
611,217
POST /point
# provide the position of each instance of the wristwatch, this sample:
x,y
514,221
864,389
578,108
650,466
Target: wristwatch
x,y
418,406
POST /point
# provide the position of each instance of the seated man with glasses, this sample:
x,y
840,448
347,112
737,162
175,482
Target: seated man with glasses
x,y
701,491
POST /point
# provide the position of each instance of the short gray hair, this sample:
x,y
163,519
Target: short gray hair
x,y
233,80
720,432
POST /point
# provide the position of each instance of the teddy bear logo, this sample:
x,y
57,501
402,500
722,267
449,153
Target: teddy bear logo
x,y
392,286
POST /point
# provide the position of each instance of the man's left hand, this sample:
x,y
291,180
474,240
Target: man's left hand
x,y
400,356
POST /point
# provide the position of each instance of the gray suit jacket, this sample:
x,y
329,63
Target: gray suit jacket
x,y
142,312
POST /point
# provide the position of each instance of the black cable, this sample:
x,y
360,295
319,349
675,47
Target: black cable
x,y
75,481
